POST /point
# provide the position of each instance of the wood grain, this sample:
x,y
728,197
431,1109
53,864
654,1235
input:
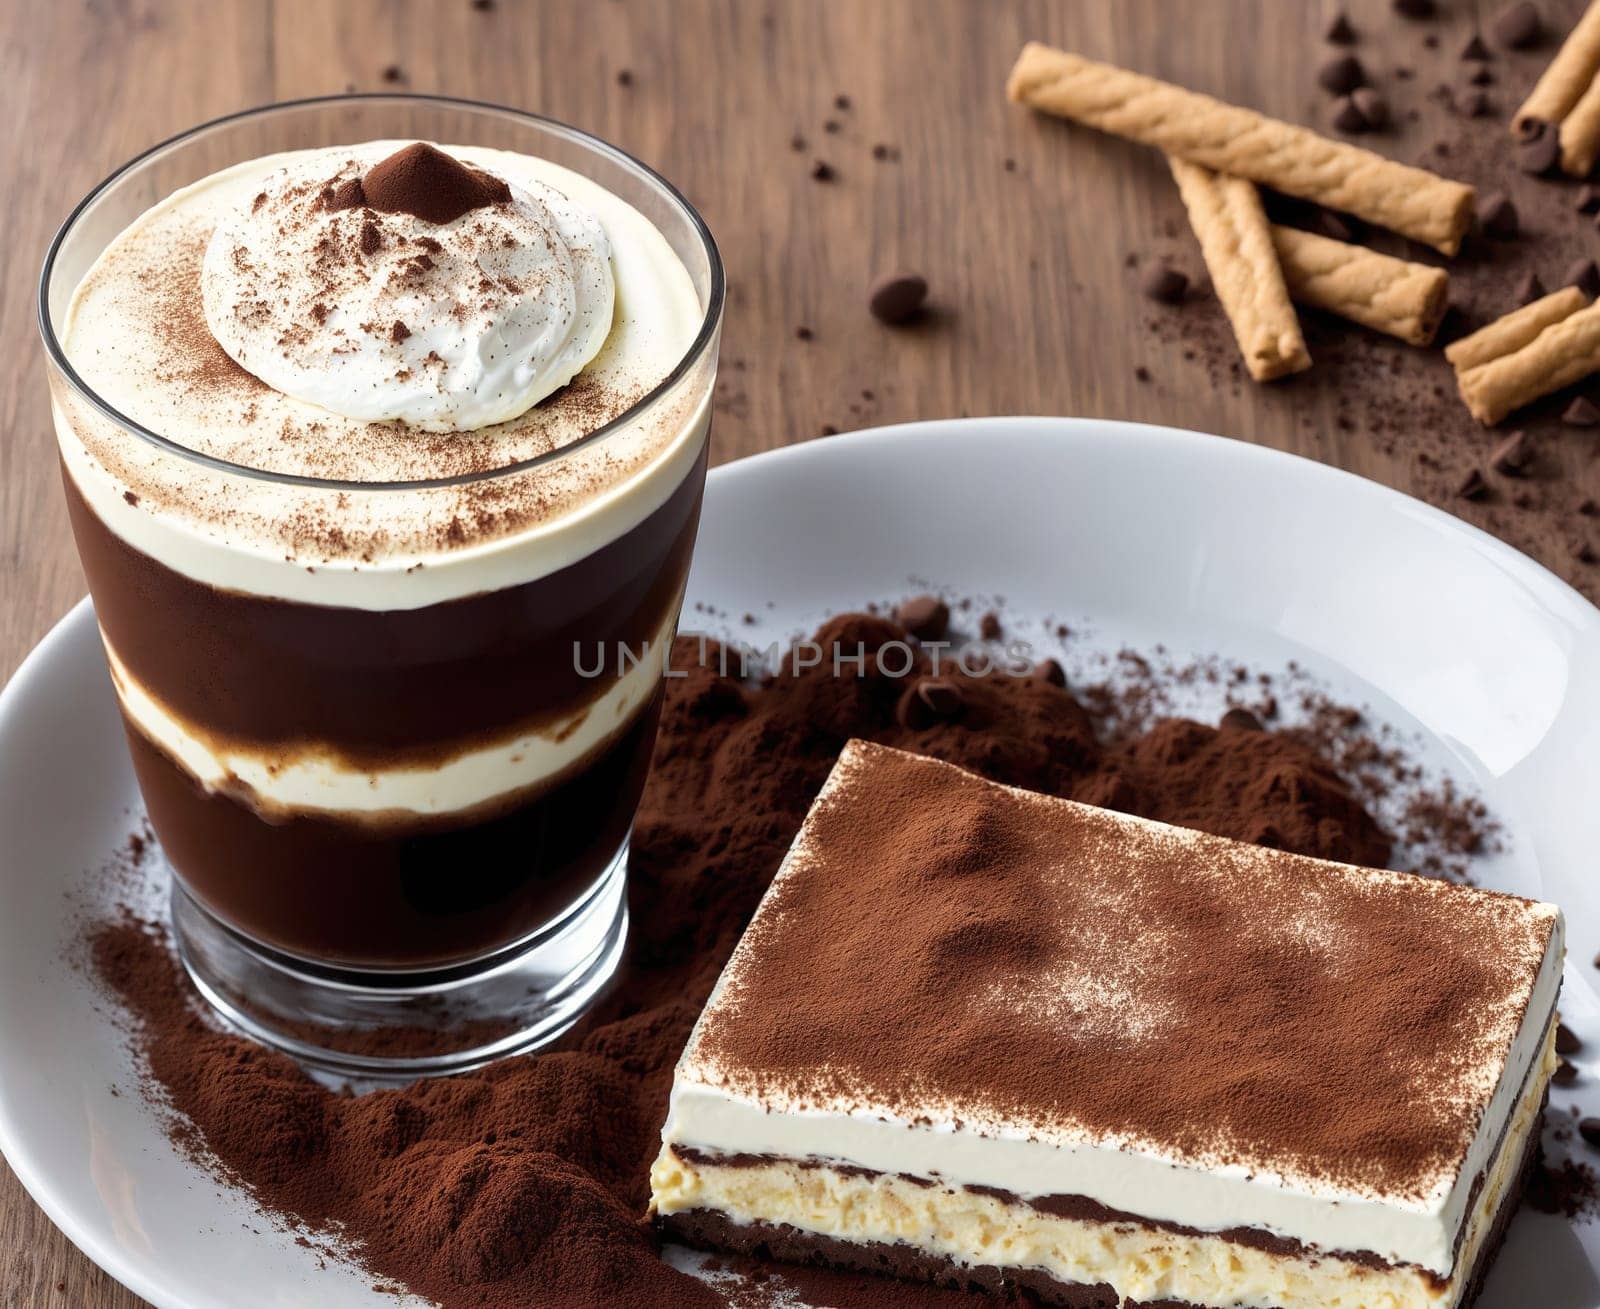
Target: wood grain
x,y
1035,312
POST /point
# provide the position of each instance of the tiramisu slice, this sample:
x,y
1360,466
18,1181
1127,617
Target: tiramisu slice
x,y
983,1036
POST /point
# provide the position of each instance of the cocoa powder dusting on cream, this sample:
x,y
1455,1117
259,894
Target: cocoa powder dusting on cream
x,y
524,1183
166,369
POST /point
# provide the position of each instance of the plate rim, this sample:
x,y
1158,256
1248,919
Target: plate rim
x,y
1517,563
1559,599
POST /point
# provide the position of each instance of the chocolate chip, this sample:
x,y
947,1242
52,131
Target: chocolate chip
x,y
1414,8
1589,200
1539,150
399,332
822,171
1589,509
1339,31
422,180
841,102
1341,74
1565,1074
1529,289
1584,553
1164,283
1499,217
926,617
1479,75
1589,1130
1585,275
624,77
1582,412
1348,118
1518,26
1513,455
1472,104
1472,486
1475,49
797,143
1567,1041
1371,106
898,298
989,627
394,73
803,333
1050,670
1240,720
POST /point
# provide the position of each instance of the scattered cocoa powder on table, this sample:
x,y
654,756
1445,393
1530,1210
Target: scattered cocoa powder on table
x,y
524,1184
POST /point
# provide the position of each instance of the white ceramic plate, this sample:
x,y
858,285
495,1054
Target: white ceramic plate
x,y
1132,534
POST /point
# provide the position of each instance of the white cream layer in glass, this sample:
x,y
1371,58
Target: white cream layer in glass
x,y
245,534
1143,1264
1034,1159
315,783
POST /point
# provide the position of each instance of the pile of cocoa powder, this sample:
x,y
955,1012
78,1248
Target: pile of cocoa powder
x,y
525,1183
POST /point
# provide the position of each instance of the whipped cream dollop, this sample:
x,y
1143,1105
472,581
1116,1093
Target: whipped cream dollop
x,y
409,287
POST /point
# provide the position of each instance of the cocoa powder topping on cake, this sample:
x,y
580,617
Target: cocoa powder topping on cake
x,y
942,947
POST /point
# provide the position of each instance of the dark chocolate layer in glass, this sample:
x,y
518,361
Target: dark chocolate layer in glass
x,y
379,689
339,893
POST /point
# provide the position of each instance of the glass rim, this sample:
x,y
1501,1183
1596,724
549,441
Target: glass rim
x,y
703,338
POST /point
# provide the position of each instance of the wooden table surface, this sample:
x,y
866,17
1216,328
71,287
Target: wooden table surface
x,y
1035,312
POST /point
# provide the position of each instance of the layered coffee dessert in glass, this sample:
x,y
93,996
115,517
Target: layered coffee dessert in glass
x,y
383,426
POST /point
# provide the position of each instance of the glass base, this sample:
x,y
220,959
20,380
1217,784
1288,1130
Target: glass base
x,y
379,1026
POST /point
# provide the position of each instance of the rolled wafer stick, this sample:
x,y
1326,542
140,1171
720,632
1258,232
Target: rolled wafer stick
x,y
1389,295
1508,334
1235,238
1564,353
1243,143
1580,132
1566,79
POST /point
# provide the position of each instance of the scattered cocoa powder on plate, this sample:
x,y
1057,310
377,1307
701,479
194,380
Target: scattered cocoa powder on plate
x,y
1439,828
524,1183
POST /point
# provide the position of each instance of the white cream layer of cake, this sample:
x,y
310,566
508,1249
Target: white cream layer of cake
x,y
319,784
390,549
1143,1264
717,1110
